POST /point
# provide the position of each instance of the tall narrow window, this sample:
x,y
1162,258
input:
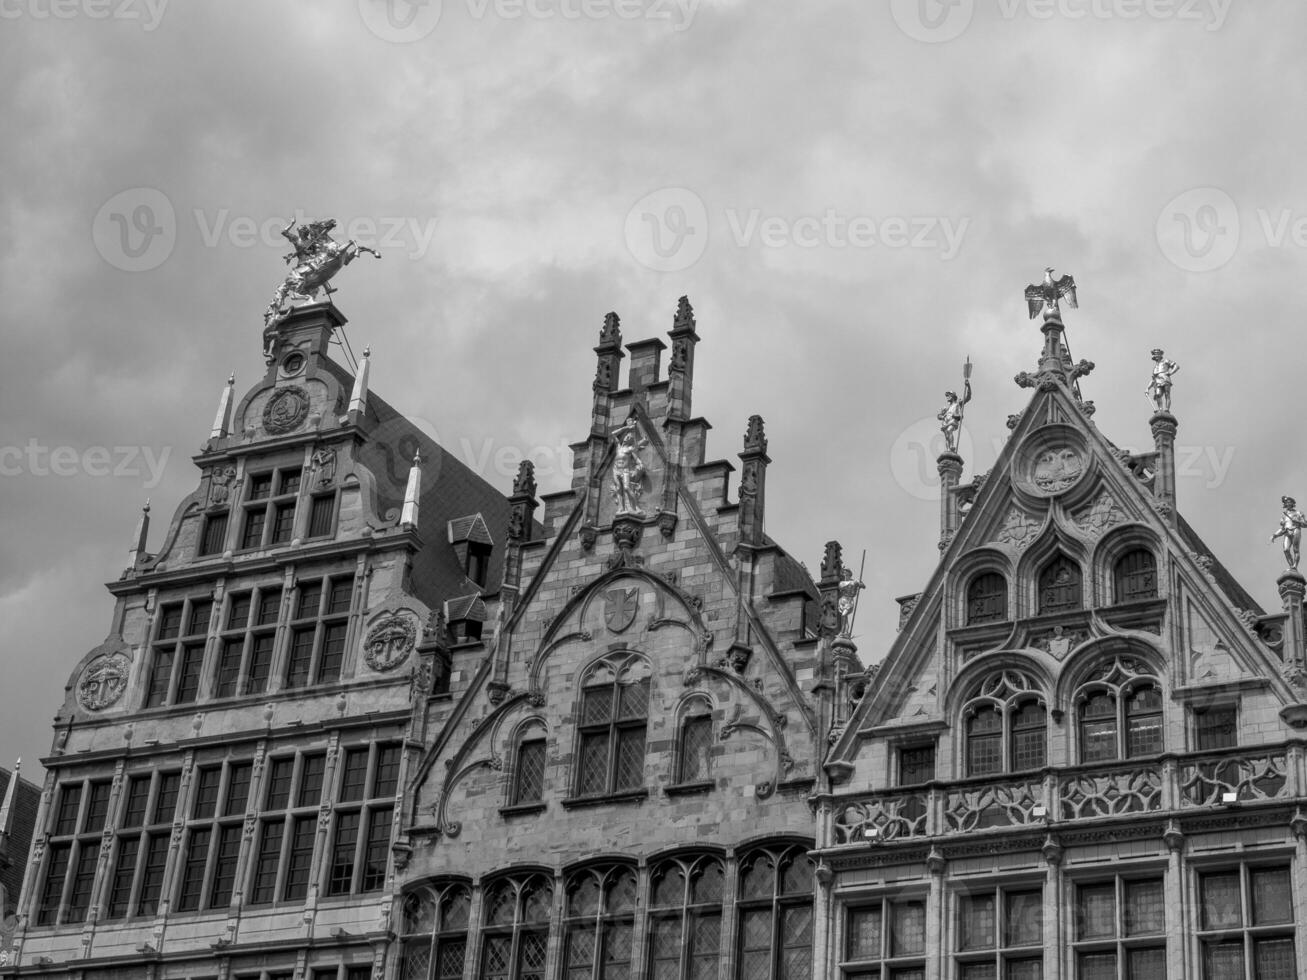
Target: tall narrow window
x,y
1134,576
694,753
322,515
178,652
245,644
614,706
515,928
775,903
213,837
214,539
317,632
144,835
1000,933
288,827
1120,929
685,918
1246,924
529,773
887,935
987,599
1059,586
73,852
360,839
434,944
600,923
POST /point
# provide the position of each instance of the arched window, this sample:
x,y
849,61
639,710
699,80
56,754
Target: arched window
x,y
987,599
1120,713
1135,576
515,934
694,745
1059,586
1006,725
685,918
614,710
600,924
528,784
775,914
435,932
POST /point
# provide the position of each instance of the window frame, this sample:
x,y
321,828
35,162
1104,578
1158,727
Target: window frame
x,y
375,810
888,961
1044,584
1122,592
1248,932
525,885
76,834
257,637
146,839
1122,941
691,909
778,906
186,652
699,714
321,663
1000,951
268,507
609,926
220,827
278,846
1119,682
617,673
975,616
436,936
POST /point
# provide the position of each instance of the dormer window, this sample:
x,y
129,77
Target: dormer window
x,y
465,616
473,546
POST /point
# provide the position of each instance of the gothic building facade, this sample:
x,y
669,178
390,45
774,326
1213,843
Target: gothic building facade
x,y
1083,755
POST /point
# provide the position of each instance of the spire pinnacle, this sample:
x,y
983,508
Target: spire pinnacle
x,y
358,399
137,550
7,806
408,517
222,421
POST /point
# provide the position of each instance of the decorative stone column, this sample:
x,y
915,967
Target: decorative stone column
x,y
950,471
1164,425
1292,587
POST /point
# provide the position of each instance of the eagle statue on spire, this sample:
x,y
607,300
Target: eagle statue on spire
x,y
1045,295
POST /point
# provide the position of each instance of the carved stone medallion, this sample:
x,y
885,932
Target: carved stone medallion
x,y
1057,468
103,682
390,642
1017,531
285,410
1102,515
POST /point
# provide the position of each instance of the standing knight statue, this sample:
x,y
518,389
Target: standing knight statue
x,y
316,259
1292,522
950,416
628,468
1159,386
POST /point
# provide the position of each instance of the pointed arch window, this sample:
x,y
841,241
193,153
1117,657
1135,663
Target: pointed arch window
x,y
694,743
1134,576
1120,713
1006,725
434,943
515,936
529,769
775,902
1060,586
987,599
614,717
600,924
685,919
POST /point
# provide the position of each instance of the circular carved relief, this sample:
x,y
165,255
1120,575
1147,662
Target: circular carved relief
x,y
286,409
1057,468
103,683
292,364
390,642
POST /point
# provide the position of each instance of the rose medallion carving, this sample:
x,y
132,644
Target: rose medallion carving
x,y
103,683
390,642
285,410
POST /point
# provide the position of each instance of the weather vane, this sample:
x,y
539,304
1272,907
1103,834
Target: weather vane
x,y
316,259
1045,295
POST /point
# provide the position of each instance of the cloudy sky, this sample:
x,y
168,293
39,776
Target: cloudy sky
x,y
852,194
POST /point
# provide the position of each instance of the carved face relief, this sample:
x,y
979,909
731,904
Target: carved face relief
x,y
390,642
286,409
103,682
1057,469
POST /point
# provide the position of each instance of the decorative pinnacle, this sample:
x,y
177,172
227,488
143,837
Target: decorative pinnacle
x,y
1045,295
755,440
611,333
367,351
684,319
525,481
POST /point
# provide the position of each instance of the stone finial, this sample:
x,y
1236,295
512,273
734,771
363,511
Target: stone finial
x,y
755,439
684,319
409,515
832,563
358,399
611,334
222,420
525,481
7,807
137,551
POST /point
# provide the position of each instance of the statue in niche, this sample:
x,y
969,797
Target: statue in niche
x,y
628,469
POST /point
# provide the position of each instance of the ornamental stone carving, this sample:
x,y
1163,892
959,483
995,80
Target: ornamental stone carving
x,y
103,682
1057,468
285,410
389,643
221,484
1102,515
1017,531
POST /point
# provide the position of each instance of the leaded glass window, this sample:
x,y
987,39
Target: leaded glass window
x,y
1120,929
434,938
775,915
515,917
1119,713
1246,924
685,918
694,758
886,937
1000,933
600,924
614,716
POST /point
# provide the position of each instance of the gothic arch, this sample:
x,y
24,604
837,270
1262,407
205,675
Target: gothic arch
x,y
1054,541
970,567
1115,545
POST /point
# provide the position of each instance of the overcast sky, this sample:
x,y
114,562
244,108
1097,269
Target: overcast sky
x,y
853,195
